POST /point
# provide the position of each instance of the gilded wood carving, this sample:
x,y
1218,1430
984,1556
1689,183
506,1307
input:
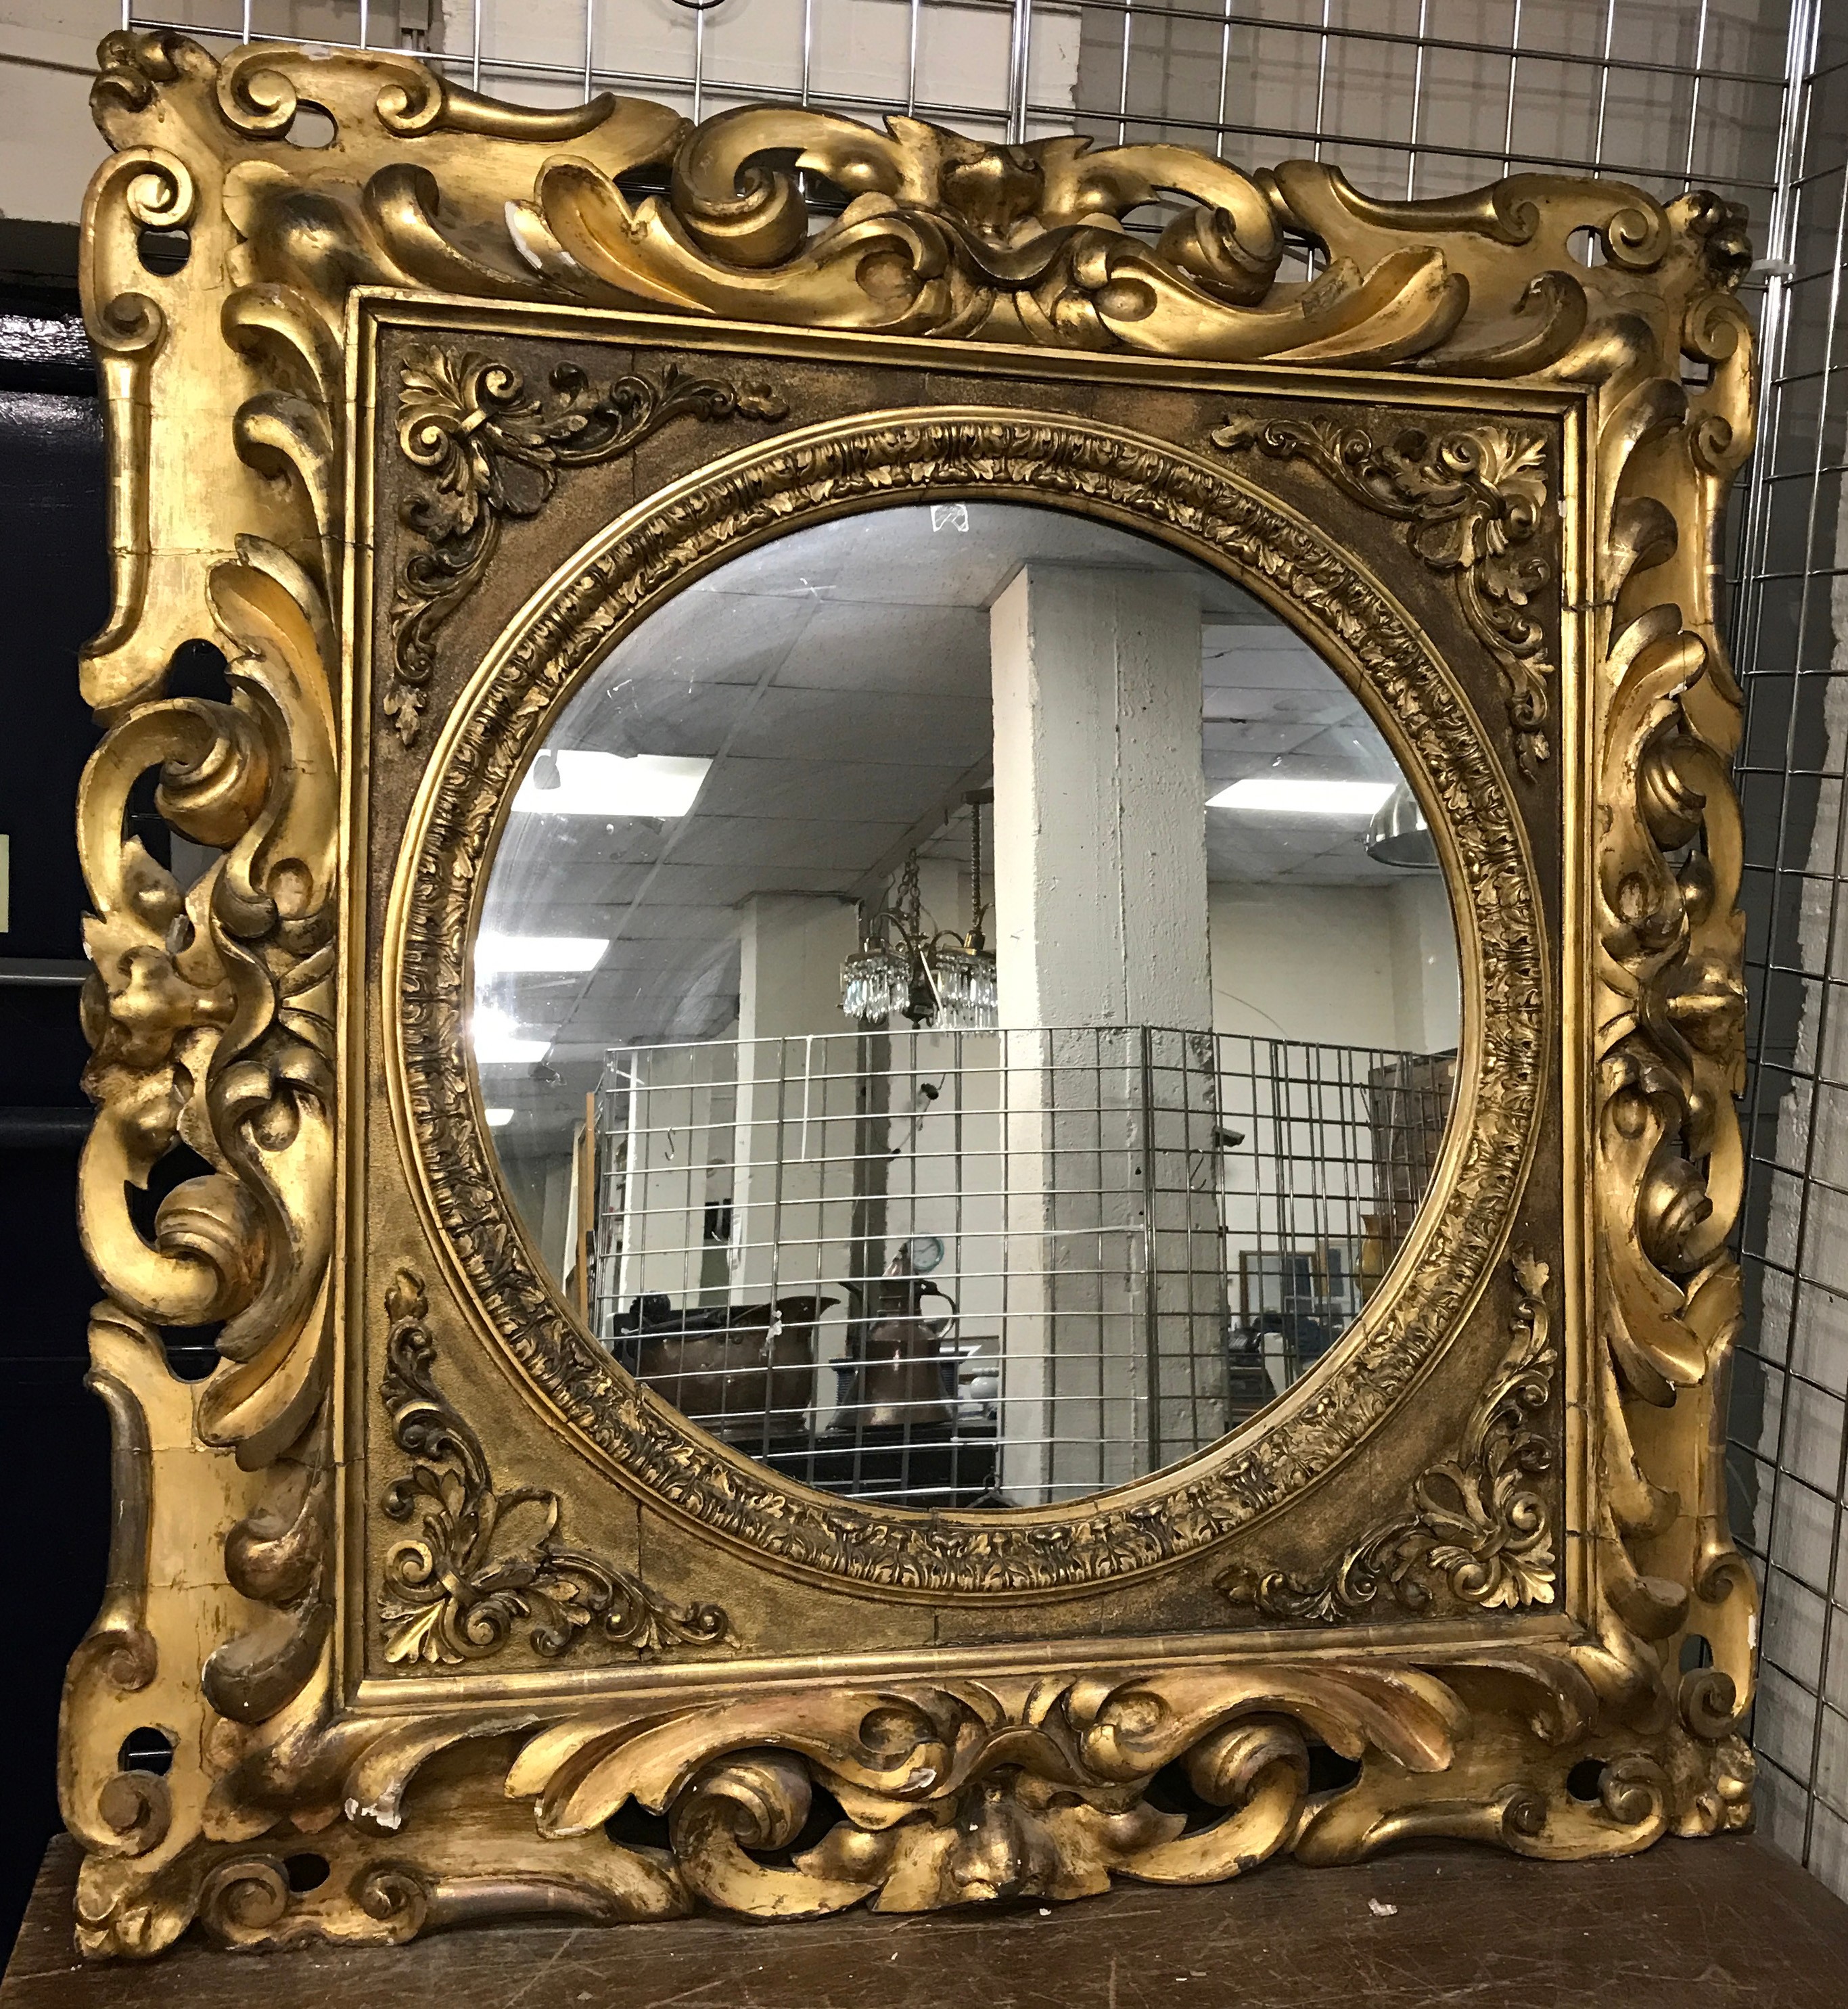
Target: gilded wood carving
x,y
1472,499
492,452
461,1581
1531,451
1475,1525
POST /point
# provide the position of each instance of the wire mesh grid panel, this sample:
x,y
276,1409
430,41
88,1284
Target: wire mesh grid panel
x,y
989,1268
1414,98
1789,1447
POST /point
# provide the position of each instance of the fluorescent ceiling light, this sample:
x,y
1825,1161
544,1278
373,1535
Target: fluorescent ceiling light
x,y
500,955
498,1041
1277,794
497,1117
612,785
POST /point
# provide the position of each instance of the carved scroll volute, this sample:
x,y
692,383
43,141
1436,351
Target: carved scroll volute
x,y
1669,995
252,321
135,1674
211,1013
942,235
177,490
1525,313
1012,1787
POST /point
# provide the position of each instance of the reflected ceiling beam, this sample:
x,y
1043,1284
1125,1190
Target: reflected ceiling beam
x,y
871,882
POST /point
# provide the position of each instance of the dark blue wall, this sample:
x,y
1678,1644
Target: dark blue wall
x,y
54,1442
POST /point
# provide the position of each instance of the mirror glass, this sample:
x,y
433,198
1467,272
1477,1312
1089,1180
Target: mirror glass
x,y
965,1005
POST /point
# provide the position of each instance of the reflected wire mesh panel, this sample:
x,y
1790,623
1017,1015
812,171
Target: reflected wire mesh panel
x,y
969,1269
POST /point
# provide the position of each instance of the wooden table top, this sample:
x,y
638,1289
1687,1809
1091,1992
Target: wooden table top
x,y
1725,1924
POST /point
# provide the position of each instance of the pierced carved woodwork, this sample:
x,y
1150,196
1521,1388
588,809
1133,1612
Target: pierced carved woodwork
x,y
229,1016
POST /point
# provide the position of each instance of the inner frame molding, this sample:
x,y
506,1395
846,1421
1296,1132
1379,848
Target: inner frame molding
x,y
1211,515
1216,1624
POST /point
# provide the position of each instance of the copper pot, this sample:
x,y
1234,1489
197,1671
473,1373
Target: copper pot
x,y
744,1371
899,1374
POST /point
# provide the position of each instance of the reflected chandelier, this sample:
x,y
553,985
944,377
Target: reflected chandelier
x,y
938,979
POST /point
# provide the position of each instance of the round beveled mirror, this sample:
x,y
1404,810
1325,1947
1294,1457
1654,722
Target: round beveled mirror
x,y
965,1005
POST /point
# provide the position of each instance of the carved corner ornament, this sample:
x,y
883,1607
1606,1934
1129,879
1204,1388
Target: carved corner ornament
x,y
457,1587
1471,498
1476,1526
493,454
1528,1603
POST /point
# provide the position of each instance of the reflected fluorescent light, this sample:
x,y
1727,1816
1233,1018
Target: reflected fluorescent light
x,y
495,1117
498,1042
502,955
612,785
1279,795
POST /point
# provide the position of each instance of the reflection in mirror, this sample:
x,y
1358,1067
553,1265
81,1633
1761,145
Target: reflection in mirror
x,y
966,1005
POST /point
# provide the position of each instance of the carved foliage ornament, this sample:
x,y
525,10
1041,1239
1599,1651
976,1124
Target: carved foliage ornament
x,y
456,1588
1472,498
212,1018
1476,1526
493,454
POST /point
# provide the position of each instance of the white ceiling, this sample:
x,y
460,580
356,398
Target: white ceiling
x,y
838,680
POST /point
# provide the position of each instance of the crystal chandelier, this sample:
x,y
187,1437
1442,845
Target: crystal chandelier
x,y
938,979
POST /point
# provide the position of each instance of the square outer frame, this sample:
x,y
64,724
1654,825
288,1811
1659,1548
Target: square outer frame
x,y
228,405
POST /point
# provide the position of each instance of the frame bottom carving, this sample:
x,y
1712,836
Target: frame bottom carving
x,y
913,1798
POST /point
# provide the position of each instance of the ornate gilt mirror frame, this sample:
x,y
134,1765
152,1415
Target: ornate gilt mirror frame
x,y
443,1617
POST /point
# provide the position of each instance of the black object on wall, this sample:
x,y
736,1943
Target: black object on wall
x,y
53,1438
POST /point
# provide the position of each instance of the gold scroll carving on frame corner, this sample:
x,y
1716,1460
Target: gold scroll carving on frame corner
x,y
468,1576
210,1007
1477,1528
492,452
1472,498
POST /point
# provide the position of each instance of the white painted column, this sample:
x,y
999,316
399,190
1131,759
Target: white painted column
x,y
1100,803
673,1132
791,946
1106,1008
791,1208
1427,995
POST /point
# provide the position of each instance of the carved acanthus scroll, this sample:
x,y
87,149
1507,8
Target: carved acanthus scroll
x,y
457,1588
1472,498
493,454
1475,1526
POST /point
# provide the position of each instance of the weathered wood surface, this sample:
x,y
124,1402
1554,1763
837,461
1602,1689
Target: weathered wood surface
x,y
1714,1924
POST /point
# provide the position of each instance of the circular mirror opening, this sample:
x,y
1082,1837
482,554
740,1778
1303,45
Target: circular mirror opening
x,y
965,1005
